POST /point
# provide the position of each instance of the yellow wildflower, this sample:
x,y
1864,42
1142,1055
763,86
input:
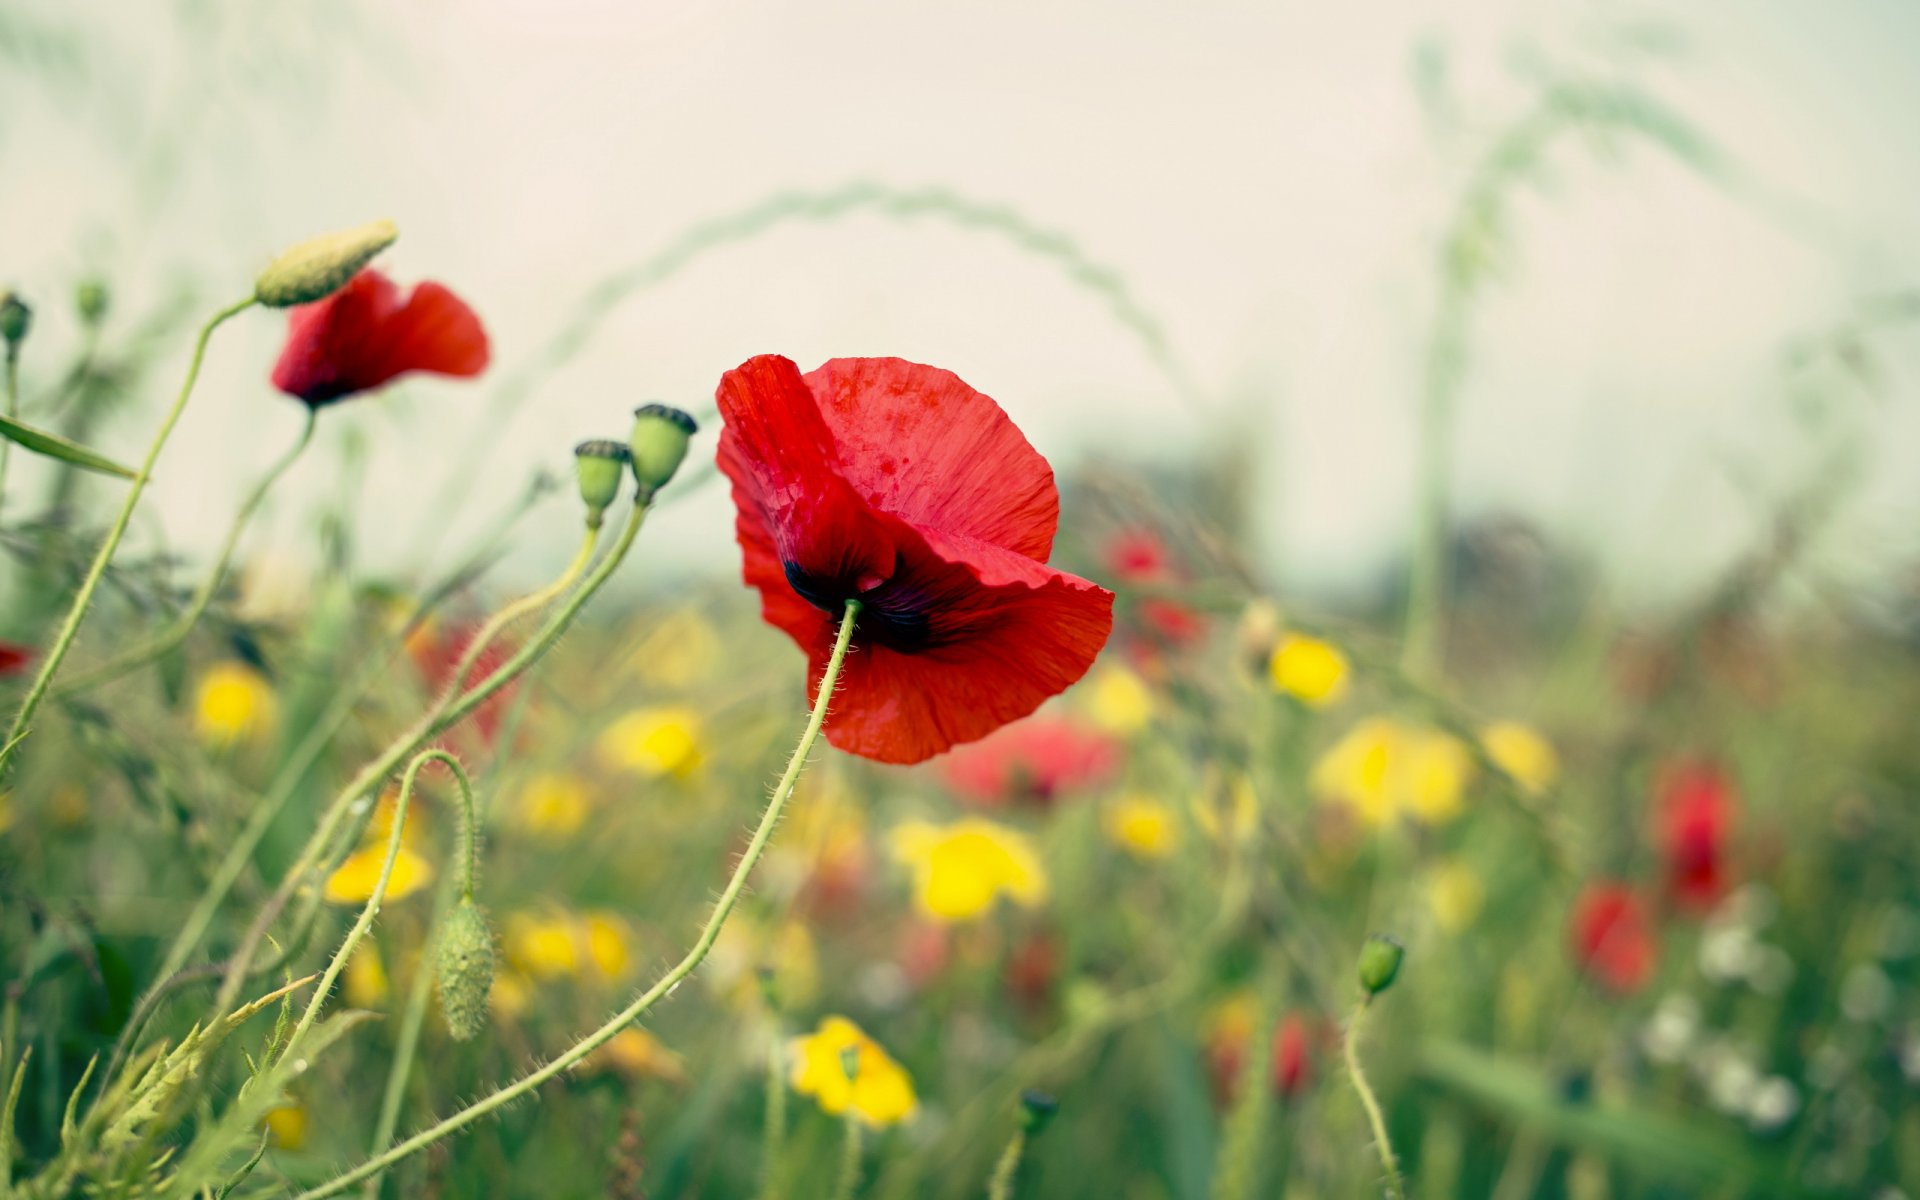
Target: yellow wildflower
x,y
653,742
1384,769
1519,750
553,804
512,995
544,947
1309,669
354,880
1142,826
844,1070
364,982
638,1054
962,868
606,939
288,1125
232,702
1119,701
1455,894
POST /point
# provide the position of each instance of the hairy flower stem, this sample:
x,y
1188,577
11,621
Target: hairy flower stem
x,y
405,1045
1378,1123
850,1149
13,411
452,706
1000,1187
371,909
83,599
182,625
722,909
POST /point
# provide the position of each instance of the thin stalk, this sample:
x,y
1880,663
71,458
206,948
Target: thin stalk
x,y
443,715
13,411
1000,1187
773,1147
1378,1123
182,625
722,909
406,1044
83,599
850,1149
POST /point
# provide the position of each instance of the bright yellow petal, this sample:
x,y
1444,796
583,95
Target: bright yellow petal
x,y
1520,751
354,880
1309,669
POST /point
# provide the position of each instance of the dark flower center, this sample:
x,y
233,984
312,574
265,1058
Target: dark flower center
x,y
893,613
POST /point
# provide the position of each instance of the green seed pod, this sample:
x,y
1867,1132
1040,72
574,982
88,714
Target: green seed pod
x,y
15,319
90,300
465,970
659,445
1036,1110
1379,963
319,267
599,466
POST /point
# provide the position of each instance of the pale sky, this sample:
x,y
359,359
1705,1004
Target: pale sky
x,y
1262,176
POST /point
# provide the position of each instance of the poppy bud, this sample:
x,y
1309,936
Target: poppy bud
x,y
1036,1110
599,465
465,970
90,301
1379,963
15,319
319,267
659,444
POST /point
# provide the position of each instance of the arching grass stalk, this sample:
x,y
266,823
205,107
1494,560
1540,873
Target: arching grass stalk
x,y
1377,1122
177,632
83,599
1000,1186
722,909
371,909
441,716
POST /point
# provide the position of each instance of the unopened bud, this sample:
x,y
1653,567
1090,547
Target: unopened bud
x,y
90,300
319,267
465,970
1036,1110
1379,963
15,319
599,466
659,445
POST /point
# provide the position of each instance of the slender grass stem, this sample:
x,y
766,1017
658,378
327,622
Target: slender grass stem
x,y
449,710
774,1143
13,411
1000,1186
850,1150
1378,1123
406,1044
83,599
176,632
722,909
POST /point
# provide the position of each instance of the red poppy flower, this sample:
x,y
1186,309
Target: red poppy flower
x,y
1611,936
900,486
367,334
436,652
1035,761
1139,558
13,659
1294,1046
1694,811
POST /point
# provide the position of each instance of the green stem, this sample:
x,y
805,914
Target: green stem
x,y
722,909
773,1148
182,625
13,411
405,1046
83,599
371,909
1000,1187
443,715
850,1149
1375,1120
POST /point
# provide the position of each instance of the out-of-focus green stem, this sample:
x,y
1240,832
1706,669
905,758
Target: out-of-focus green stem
x,y
710,933
83,599
850,1149
13,411
1375,1121
177,632
1000,1187
406,1044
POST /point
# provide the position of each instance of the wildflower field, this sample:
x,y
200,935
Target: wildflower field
x,y
980,816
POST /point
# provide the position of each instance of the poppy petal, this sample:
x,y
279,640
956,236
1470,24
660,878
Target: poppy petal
x,y
1003,634
366,335
917,442
433,331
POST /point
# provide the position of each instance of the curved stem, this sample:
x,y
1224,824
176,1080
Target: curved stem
x,y
1348,1047
182,625
83,599
443,715
850,1160
501,621
1001,1185
722,909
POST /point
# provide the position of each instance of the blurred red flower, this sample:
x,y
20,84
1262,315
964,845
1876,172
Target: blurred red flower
x,y
437,651
1695,806
13,658
368,334
1295,1042
898,485
1035,761
1611,936
1139,558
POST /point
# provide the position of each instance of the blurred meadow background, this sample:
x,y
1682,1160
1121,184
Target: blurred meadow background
x,y
1497,421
